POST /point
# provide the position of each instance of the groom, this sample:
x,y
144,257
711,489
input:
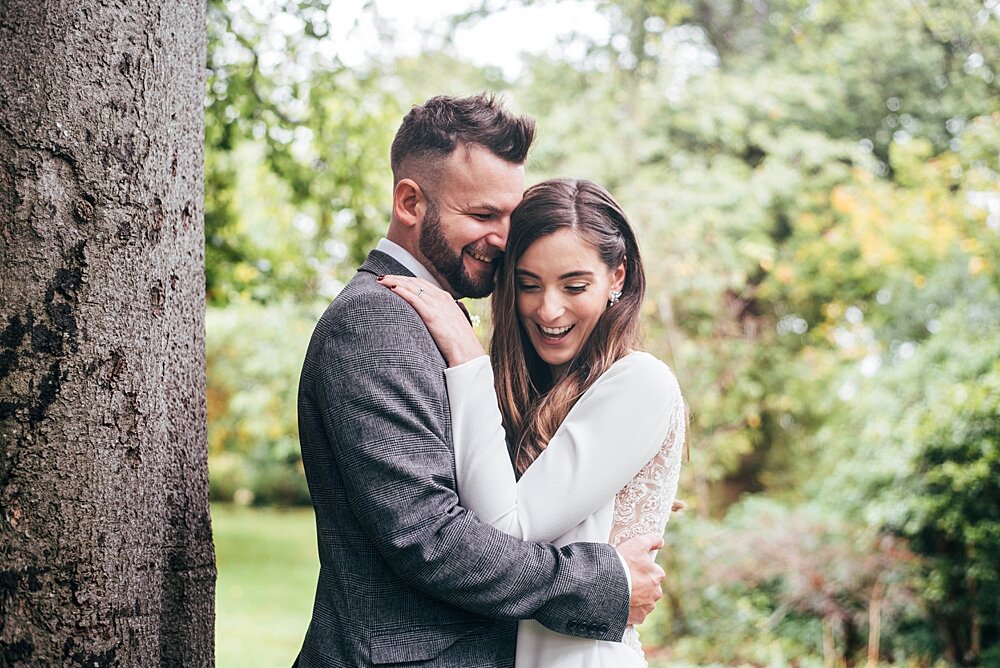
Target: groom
x,y
407,575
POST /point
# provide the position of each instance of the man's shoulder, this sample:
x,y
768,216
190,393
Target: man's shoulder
x,y
367,316
365,301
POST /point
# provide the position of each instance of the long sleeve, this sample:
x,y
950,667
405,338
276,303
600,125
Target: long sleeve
x,y
616,428
385,433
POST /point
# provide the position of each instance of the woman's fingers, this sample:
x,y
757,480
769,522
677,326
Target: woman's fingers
x,y
444,318
435,306
416,291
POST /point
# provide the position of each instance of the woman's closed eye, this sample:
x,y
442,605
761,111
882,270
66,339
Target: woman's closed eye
x,y
577,289
526,287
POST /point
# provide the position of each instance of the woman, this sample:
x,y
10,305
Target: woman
x,y
595,427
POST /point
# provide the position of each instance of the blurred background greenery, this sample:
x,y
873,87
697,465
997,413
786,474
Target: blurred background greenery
x,y
815,185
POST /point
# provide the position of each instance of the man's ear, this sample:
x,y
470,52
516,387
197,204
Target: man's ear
x,y
408,202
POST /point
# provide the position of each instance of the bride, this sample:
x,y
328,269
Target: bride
x,y
594,427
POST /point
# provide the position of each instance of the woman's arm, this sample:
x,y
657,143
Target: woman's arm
x,y
615,428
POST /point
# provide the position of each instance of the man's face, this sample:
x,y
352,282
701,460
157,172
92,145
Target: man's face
x,y
464,229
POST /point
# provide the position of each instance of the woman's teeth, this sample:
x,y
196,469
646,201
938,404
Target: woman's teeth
x,y
555,332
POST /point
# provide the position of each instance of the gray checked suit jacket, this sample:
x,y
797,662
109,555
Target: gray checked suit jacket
x,y
408,576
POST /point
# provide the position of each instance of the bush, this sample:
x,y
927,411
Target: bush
x,y
772,583
917,453
279,484
228,477
254,355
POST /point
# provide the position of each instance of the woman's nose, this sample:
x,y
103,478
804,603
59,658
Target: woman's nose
x,y
550,308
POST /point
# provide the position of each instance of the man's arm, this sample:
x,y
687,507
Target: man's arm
x,y
381,390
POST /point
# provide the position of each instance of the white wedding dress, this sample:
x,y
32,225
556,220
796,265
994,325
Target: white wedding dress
x,y
609,473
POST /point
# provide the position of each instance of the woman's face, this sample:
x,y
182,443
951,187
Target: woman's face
x,y
562,290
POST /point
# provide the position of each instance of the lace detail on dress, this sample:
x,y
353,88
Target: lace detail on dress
x,y
643,505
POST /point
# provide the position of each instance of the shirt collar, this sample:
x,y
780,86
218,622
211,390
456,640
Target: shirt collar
x,y
402,256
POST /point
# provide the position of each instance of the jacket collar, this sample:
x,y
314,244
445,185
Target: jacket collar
x,y
379,264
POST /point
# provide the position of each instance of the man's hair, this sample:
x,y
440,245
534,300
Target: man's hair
x,y
435,128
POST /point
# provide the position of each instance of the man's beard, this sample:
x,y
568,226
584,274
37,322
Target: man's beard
x,y
448,264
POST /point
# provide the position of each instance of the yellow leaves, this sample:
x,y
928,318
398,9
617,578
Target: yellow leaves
x,y
877,249
843,200
785,274
977,265
753,421
971,245
245,273
911,225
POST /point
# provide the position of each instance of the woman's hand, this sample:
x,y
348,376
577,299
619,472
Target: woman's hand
x,y
444,318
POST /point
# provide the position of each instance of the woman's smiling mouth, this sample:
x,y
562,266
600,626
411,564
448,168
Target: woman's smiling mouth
x,y
554,334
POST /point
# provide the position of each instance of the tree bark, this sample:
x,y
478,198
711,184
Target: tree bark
x,y
105,540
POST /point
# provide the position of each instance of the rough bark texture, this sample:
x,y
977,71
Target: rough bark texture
x,y
105,541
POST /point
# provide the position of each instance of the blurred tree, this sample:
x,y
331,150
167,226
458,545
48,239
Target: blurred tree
x,y
815,187
772,584
740,135
254,357
279,95
917,451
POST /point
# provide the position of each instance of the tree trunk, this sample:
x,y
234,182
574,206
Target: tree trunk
x,y
105,540
875,622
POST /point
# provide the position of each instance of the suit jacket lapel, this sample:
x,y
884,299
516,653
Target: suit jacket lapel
x,y
378,263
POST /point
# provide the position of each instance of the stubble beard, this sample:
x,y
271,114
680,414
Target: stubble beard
x,y
448,264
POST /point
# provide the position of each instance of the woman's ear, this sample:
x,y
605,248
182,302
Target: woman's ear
x,y
618,278
408,202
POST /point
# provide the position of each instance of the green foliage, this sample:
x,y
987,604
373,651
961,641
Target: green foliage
x,y
925,463
277,102
815,188
254,357
766,585
954,513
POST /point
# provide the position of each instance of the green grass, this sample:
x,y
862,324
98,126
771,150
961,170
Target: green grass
x,y
267,577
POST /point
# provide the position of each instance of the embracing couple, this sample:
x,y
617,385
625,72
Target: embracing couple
x,y
477,511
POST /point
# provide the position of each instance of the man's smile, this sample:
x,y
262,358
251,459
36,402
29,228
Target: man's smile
x,y
479,256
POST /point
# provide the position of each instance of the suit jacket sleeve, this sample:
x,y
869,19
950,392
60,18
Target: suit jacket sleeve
x,y
379,384
609,435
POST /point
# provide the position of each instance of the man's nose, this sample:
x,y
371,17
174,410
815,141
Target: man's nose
x,y
498,237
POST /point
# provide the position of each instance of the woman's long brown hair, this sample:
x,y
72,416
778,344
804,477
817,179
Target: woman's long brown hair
x,y
533,403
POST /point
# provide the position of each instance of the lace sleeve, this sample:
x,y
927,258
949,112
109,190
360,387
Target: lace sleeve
x,y
643,505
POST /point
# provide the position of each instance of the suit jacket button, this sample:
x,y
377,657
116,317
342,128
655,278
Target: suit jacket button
x,y
603,629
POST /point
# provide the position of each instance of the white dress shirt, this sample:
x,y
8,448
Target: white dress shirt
x,y
403,256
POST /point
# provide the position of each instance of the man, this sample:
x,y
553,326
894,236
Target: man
x,y
408,576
